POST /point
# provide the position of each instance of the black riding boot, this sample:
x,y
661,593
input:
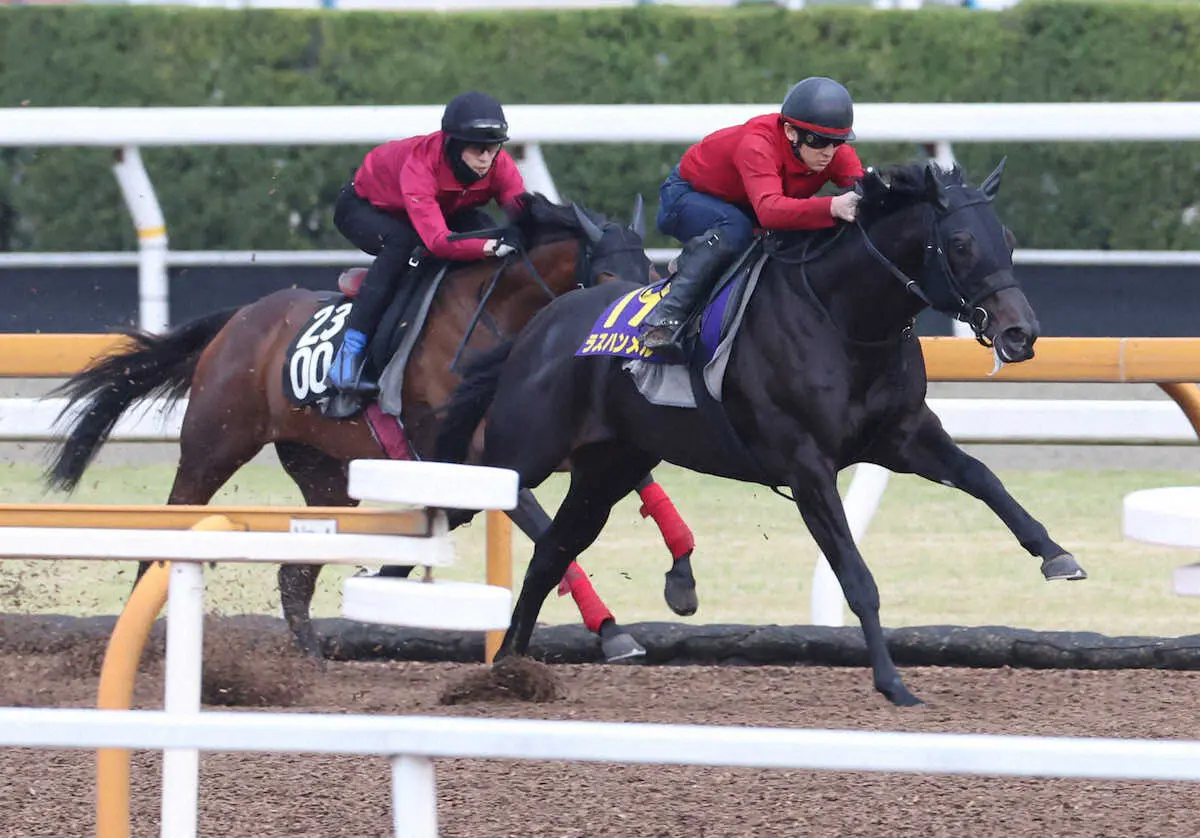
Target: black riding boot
x,y
699,266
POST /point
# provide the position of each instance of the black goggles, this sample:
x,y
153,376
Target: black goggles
x,y
817,141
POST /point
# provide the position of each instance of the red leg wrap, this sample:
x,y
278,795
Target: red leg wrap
x,y
677,534
591,607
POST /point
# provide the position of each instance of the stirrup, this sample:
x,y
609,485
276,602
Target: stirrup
x,y
661,335
356,385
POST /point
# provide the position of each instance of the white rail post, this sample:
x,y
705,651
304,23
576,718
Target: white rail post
x,y
154,313
943,154
184,672
536,173
861,502
414,797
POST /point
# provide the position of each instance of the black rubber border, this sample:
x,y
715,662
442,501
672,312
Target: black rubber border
x,y
680,644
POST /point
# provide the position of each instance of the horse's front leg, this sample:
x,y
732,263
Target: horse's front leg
x,y
817,498
601,474
927,450
616,643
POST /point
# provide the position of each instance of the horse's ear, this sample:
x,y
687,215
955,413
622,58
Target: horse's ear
x,y
991,184
586,224
637,222
935,191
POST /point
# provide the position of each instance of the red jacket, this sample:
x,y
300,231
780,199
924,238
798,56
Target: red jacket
x,y
412,178
753,165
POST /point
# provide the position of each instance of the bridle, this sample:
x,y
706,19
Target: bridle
x,y
959,305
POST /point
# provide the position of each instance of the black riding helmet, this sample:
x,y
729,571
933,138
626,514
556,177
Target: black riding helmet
x,y
471,117
821,107
475,118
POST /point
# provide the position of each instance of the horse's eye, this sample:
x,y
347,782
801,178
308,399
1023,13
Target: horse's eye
x,y
960,247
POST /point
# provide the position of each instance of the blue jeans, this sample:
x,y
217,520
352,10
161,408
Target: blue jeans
x,y
684,213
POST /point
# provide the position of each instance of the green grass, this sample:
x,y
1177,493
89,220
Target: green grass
x,y
939,557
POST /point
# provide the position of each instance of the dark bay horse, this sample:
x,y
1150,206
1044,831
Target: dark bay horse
x,y
232,363
825,372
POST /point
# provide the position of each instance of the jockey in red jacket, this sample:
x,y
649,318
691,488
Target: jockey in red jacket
x,y
416,191
763,173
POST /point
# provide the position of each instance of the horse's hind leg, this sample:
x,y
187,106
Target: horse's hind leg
x,y
680,588
211,451
601,475
322,480
616,643
930,452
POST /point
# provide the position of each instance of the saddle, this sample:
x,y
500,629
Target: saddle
x,y
694,374
308,357
617,331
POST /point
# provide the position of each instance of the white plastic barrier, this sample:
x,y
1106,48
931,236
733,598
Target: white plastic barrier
x,y
397,602
412,742
1168,516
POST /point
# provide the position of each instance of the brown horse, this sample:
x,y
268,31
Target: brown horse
x,y
232,361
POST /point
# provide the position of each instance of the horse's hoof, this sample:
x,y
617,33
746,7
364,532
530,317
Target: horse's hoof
x,y
622,648
310,645
899,695
1062,566
680,588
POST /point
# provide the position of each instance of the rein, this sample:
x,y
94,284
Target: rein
x,y
483,301
808,256
583,265
910,284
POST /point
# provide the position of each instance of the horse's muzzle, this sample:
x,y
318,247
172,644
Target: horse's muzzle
x,y
1015,344
1012,326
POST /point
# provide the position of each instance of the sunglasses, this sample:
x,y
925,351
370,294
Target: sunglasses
x,y
813,141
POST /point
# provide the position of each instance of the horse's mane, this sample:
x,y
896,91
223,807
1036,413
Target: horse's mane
x,y
542,221
889,190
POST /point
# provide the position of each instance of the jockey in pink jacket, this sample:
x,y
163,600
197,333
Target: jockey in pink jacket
x,y
416,192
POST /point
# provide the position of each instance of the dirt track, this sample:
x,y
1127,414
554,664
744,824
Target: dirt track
x,y
49,793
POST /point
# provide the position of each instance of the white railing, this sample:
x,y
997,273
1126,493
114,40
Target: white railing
x,y
413,742
940,125
999,421
527,5
349,258
590,124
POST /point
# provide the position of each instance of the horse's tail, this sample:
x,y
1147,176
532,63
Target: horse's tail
x,y
152,365
469,404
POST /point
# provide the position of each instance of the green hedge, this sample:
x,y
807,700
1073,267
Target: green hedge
x,y
1086,196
